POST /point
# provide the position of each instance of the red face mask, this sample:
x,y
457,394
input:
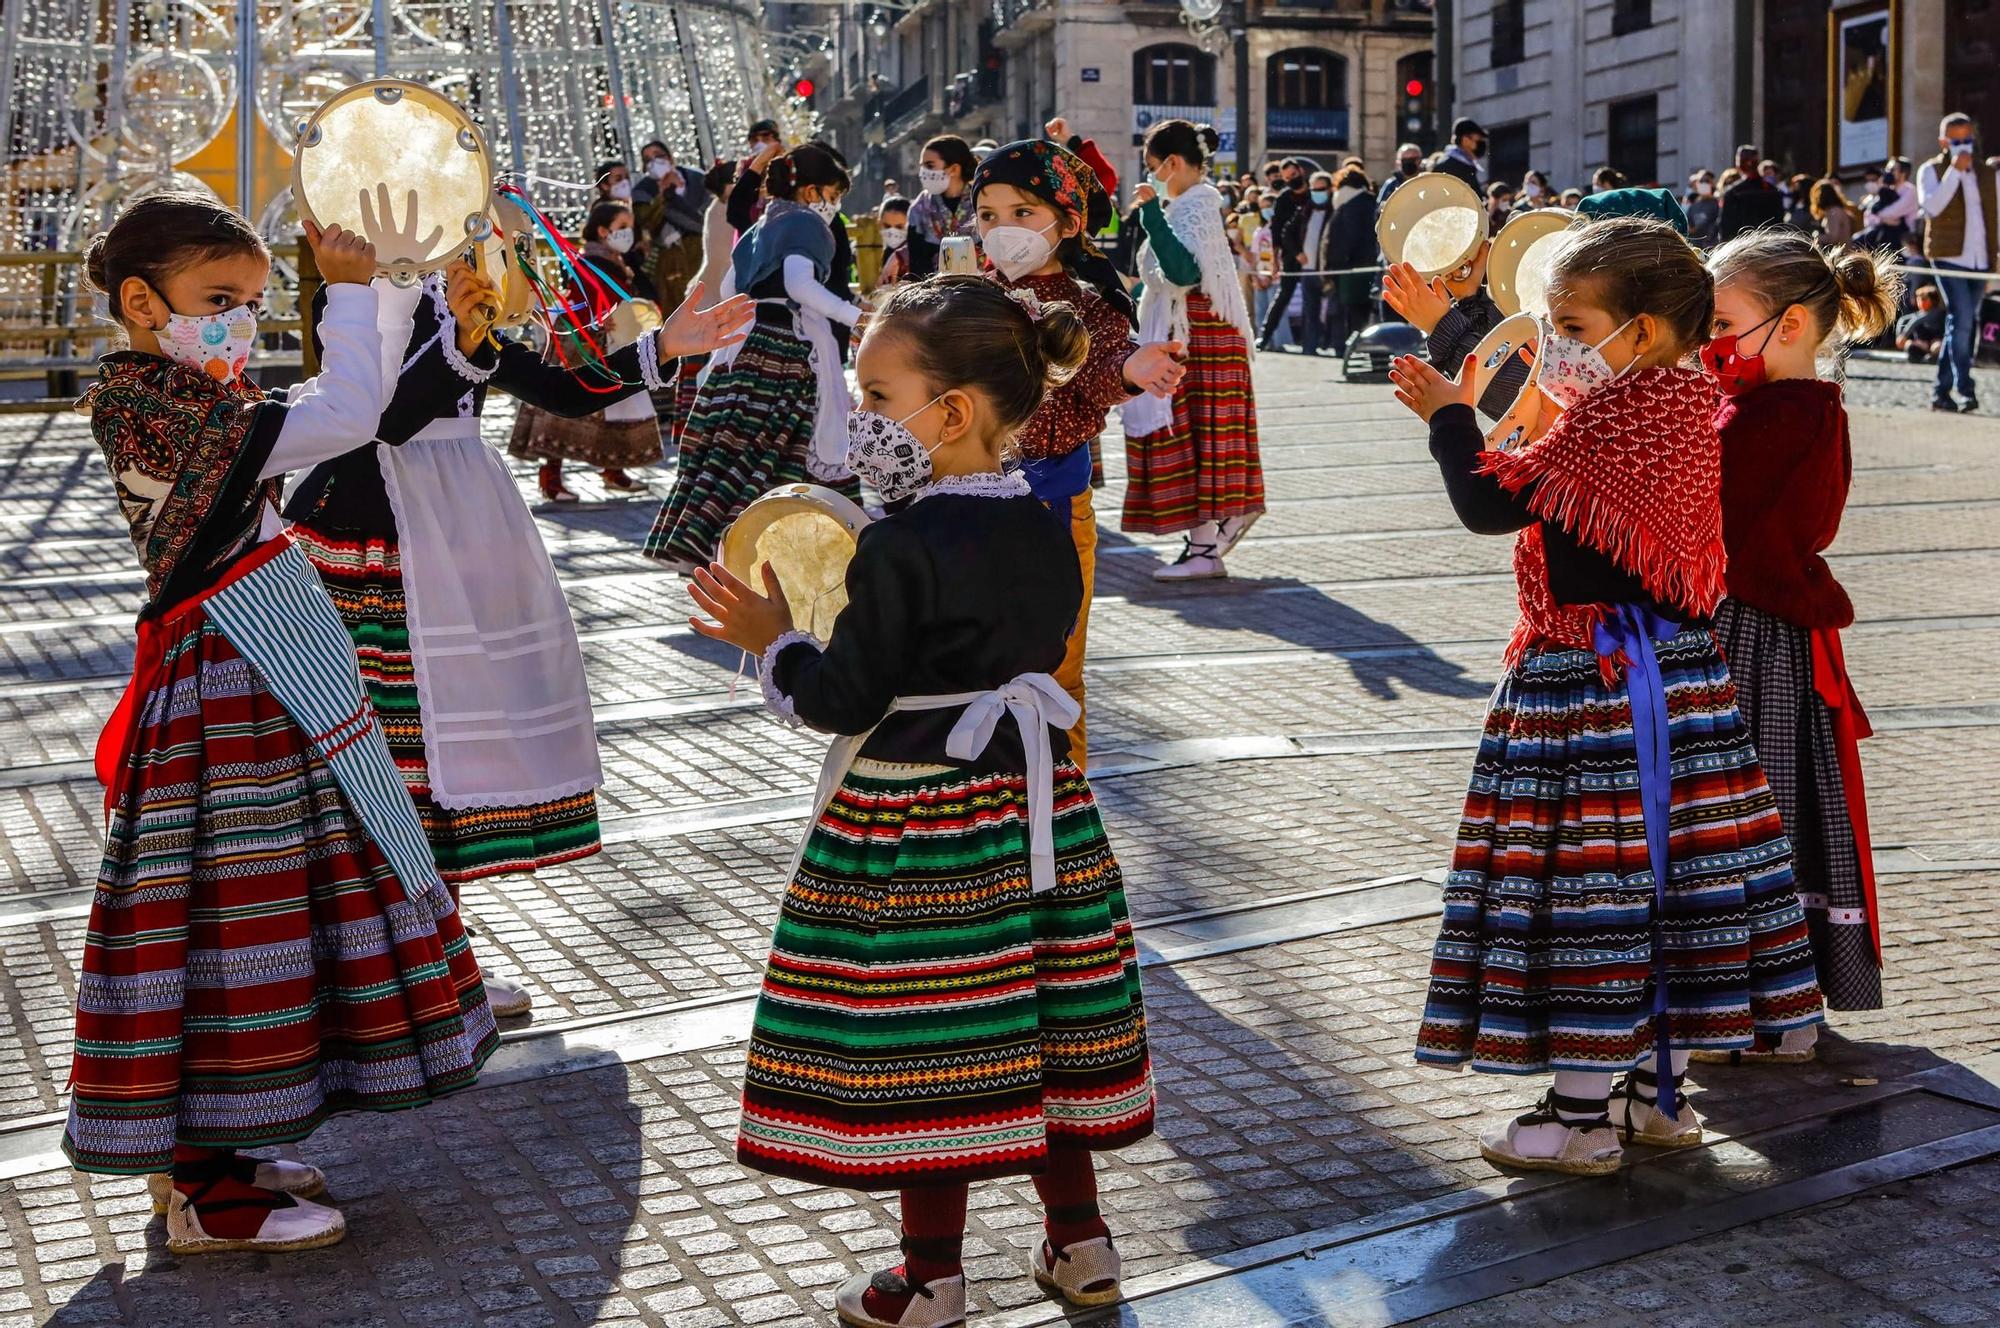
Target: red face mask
x,y
1735,372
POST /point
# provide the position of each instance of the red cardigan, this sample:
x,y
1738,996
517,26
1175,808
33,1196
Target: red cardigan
x,y
1786,467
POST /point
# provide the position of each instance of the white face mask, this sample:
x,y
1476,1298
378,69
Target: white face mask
x,y
886,454
620,239
894,236
1018,251
1572,370
658,168
826,209
934,181
217,344
622,191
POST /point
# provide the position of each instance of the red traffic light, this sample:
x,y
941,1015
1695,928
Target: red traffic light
x,y
804,87
1414,88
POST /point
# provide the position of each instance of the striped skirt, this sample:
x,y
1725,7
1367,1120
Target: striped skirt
x,y
926,1019
1204,465
364,578
590,439
1772,663
253,962
1545,956
749,432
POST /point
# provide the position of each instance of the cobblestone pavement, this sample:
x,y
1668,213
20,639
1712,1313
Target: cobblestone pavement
x,y
1257,743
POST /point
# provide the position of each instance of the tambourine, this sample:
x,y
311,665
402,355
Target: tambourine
x,y
630,321
1506,383
1524,252
1434,222
807,533
376,146
498,257
958,255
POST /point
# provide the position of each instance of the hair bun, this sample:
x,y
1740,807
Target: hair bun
x,y
1063,340
1871,291
1210,140
93,262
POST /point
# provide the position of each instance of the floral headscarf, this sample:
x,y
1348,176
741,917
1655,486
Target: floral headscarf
x,y
1051,173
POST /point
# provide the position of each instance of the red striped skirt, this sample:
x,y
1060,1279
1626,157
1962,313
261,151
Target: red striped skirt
x,y
1204,466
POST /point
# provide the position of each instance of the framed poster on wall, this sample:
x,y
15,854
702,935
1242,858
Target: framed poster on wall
x,y
1861,84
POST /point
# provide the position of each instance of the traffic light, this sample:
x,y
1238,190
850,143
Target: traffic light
x,y
803,89
1419,96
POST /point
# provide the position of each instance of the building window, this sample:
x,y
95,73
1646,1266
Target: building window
x,y
1509,44
1508,152
1173,75
1634,146
1630,16
1305,100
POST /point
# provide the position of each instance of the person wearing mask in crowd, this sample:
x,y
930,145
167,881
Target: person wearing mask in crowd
x,y
1349,243
1605,179
1837,220
1274,177
1956,191
1753,200
941,210
1871,185
1313,289
984,148
718,238
1192,466
1465,159
1704,209
1409,163
892,219
773,409
1289,216
1571,197
1499,202
625,433
746,207
1798,203
1920,332
764,134
1264,258
1536,192
1783,305
668,205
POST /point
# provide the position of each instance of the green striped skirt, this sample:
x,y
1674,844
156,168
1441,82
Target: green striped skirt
x,y
926,1018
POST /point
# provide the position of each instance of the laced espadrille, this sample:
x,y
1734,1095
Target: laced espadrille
x,y
1797,1047
1573,1147
1636,1115
291,1224
938,1304
301,1180
1085,1273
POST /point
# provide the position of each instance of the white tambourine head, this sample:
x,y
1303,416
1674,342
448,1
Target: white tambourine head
x,y
807,533
1524,252
1434,222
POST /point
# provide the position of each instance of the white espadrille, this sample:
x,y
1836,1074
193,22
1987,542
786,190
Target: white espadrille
x,y
939,1304
1085,1273
1798,1046
1641,1122
1543,1140
296,1224
301,1180
508,999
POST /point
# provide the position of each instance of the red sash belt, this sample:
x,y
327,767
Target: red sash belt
x,y
1850,726
156,632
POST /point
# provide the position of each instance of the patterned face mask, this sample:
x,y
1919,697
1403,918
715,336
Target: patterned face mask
x,y
886,454
217,344
1572,369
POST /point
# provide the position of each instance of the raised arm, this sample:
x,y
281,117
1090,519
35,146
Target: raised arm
x,y
337,409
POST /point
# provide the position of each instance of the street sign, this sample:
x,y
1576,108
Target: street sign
x,y
1092,74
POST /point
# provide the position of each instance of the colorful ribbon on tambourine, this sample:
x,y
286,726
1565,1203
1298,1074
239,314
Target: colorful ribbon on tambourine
x,y
573,325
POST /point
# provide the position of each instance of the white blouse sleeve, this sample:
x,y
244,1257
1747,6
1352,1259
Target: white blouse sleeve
x,y
808,294
337,410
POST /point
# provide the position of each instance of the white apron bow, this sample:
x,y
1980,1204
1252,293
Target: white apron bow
x,y
1036,701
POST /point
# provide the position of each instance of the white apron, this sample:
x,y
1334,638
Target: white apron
x,y
506,707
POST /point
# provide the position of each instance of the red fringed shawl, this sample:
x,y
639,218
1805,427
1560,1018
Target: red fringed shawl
x,y
1633,471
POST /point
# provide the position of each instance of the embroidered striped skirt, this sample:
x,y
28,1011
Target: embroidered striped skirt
x,y
592,440
1545,956
364,578
749,432
1203,466
1772,663
925,1018
253,960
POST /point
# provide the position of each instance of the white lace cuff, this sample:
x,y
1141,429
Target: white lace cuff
x,y
466,369
650,368
776,701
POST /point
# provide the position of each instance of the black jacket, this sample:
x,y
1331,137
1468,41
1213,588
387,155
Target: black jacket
x,y
951,594
1459,170
1288,226
1748,204
1349,238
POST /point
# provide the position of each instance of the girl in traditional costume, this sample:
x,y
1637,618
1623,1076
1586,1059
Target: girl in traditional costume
x,y
269,942
439,572
624,433
1191,464
1786,466
1621,892
941,210
774,409
953,991
1035,205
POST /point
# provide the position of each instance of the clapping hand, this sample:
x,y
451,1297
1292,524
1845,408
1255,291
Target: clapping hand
x,y
742,617
694,330
1426,391
342,255
1156,367
1057,130
379,224
1420,303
